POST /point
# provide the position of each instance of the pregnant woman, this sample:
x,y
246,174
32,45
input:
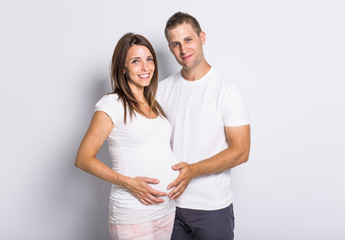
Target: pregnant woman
x,y
138,136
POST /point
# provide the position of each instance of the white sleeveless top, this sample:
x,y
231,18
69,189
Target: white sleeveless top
x,y
141,147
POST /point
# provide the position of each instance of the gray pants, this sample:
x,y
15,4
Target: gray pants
x,y
204,225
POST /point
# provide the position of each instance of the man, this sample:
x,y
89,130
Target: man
x,y
211,135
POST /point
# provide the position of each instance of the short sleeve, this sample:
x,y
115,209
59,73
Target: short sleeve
x,y
235,108
112,106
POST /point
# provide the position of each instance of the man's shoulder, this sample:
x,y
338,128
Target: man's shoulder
x,y
224,82
168,84
169,79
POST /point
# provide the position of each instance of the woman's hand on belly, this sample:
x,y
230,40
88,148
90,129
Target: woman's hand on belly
x,y
139,188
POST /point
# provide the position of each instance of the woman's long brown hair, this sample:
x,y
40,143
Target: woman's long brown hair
x,y
119,81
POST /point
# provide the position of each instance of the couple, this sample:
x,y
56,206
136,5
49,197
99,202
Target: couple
x,y
196,112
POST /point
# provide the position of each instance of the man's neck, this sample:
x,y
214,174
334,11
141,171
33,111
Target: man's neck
x,y
196,73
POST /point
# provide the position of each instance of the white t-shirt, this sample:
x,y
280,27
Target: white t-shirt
x,y
141,147
198,111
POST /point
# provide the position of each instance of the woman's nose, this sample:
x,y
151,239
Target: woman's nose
x,y
144,66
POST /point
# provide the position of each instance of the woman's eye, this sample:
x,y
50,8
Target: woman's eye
x,y
135,61
150,59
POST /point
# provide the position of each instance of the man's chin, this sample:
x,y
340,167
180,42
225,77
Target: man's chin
x,y
186,66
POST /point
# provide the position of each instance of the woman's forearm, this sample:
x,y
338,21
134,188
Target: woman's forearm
x,y
137,186
98,169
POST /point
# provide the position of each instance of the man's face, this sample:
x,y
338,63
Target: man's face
x,y
186,45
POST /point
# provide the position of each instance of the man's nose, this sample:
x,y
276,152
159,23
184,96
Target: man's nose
x,y
182,48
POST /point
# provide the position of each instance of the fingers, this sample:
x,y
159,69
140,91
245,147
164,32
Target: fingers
x,y
177,192
157,193
146,194
154,194
150,199
153,191
155,200
144,202
151,180
175,182
178,166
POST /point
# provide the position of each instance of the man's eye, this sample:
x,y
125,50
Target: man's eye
x,y
175,44
188,40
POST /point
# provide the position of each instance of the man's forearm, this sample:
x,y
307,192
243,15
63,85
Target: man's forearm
x,y
224,160
236,154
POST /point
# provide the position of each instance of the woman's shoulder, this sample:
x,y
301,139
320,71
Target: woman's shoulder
x,y
110,104
111,100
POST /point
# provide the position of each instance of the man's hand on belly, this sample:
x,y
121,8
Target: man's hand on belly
x,y
187,173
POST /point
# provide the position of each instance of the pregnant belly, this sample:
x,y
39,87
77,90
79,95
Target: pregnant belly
x,y
158,168
165,177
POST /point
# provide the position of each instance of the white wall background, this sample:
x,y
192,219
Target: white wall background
x,y
287,56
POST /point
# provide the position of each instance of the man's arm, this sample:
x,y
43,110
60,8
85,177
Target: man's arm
x,y
236,154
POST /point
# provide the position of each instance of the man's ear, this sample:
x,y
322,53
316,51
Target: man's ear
x,y
203,37
169,46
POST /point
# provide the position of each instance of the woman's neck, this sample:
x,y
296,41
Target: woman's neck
x,y
138,93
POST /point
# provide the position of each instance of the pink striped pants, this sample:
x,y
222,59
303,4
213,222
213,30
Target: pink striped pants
x,y
159,229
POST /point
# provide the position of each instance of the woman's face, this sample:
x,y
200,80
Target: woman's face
x,y
139,67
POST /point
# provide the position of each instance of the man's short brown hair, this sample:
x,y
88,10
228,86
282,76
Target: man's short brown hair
x,y
180,18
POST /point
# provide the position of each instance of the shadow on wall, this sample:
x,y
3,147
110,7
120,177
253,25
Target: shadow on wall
x,y
100,190
166,63
66,197
94,197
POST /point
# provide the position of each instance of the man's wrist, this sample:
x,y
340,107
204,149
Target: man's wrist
x,y
195,169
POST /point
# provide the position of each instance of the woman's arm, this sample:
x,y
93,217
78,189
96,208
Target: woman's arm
x,y
100,127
